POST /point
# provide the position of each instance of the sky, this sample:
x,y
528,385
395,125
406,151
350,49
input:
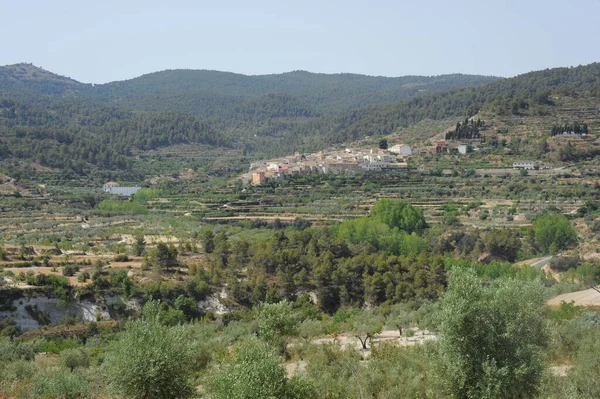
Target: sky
x,y
108,40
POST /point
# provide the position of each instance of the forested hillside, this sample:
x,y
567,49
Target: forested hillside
x,y
61,123
81,140
529,93
20,79
329,92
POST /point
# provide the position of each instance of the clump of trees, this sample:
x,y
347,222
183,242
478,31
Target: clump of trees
x,y
575,128
467,130
399,214
553,233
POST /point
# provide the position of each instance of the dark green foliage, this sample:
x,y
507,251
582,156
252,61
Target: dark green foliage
x,y
571,153
139,244
564,263
208,240
553,233
575,128
467,130
70,270
531,88
502,244
79,139
165,256
188,306
121,258
8,327
312,260
91,129
46,280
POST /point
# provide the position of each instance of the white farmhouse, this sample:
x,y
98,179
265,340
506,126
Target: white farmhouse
x,y
116,188
524,165
462,149
401,149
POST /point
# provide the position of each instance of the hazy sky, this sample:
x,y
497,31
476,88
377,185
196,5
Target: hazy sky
x,y
97,41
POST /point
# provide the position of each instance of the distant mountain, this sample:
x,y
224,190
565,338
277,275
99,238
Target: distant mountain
x,y
19,79
257,113
54,120
326,92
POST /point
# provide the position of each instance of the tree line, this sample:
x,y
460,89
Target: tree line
x,y
467,130
575,128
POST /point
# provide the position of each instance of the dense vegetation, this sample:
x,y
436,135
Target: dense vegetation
x,y
388,285
260,115
68,136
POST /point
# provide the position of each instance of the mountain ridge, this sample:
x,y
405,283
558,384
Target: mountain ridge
x,y
112,126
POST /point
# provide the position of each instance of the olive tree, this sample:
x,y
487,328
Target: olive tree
x,y
74,357
490,337
254,372
365,326
150,360
277,320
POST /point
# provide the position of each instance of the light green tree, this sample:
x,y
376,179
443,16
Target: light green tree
x,y
150,360
398,214
74,357
490,338
365,326
254,372
277,320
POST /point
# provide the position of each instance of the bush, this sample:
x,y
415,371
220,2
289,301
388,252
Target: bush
x,y
16,371
254,371
61,383
121,258
564,263
490,338
13,350
70,270
73,358
150,360
83,276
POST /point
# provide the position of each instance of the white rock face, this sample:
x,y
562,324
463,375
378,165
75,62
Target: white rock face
x,y
213,304
57,310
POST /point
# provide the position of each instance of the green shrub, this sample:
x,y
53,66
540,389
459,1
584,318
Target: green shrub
x,y
60,384
121,258
122,207
150,360
254,371
74,357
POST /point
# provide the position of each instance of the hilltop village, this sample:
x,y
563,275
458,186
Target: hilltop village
x,y
347,161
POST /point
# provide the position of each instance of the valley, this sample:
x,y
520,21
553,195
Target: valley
x,y
338,233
